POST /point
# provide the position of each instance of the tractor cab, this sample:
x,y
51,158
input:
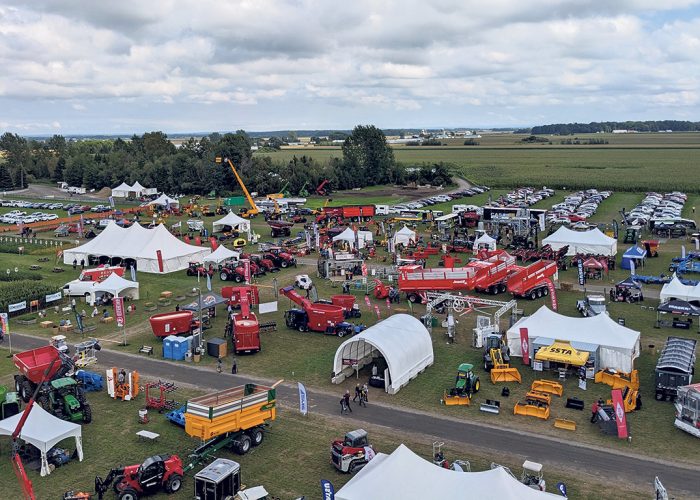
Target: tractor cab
x,y
59,342
466,382
150,472
532,475
356,438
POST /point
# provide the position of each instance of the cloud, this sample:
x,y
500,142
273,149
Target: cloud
x,y
271,63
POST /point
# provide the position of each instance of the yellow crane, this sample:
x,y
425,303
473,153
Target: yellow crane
x,y
253,210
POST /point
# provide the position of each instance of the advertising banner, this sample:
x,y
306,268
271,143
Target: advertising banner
x,y
525,345
553,294
52,297
17,307
620,417
118,303
581,275
159,254
303,403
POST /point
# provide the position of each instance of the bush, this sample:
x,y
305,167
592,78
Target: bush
x,y
19,276
18,291
7,247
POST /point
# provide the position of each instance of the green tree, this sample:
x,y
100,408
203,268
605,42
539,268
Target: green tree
x,y
368,158
58,171
5,177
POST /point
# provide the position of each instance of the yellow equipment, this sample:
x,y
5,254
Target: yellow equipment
x,y
232,410
501,371
536,405
122,384
456,400
548,387
562,423
628,382
253,210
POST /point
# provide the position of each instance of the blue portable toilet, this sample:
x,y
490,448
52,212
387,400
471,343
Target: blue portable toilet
x,y
168,346
179,348
636,254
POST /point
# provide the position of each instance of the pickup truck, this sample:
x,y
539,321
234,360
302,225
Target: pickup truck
x,y
592,305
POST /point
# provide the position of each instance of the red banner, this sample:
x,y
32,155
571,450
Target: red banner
x,y
376,310
246,270
159,254
187,239
553,294
368,303
620,417
364,269
525,346
214,243
118,303
197,240
388,303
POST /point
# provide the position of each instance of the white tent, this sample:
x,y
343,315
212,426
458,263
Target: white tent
x,y
405,475
43,431
221,254
234,221
403,342
121,191
619,345
138,189
404,236
363,237
165,201
677,290
593,241
484,241
115,285
142,245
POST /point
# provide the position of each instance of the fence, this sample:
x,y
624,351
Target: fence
x,y
20,240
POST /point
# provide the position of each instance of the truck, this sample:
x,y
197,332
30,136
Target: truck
x,y
591,305
84,286
532,281
245,329
353,452
317,317
234,418
675,367
688,409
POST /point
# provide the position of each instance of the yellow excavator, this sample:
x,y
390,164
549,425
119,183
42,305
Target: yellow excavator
x,y
253,210
628,382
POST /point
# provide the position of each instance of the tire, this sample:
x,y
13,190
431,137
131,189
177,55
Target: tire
x,y
341,333
238,278
533,295
173,484
223,276
44,403
659,396
256,436
545,292
115,483
87,413
477,385
413,298
284,264
26,390
354,467
129,494
243,445
501,288
539,293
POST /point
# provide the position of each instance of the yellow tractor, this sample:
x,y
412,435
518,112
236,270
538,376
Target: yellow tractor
x,y
497,360
466,385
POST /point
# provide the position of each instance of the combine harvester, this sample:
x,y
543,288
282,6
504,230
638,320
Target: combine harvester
x,y
532,281
627,382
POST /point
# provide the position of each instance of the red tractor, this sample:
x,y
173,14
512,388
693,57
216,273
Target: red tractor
x,y
353,452
264,264
233,272
156,473
196,269
280,258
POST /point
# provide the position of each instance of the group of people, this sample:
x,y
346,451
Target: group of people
x,y
361,393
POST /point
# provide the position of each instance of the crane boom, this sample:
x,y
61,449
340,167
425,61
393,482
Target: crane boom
x,y
254,210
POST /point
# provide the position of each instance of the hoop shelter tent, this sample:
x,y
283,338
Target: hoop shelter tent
x,y
484,242
405,475
165,201
593,241
403,342
44,431
633,254
233,221
677,290
118,287
617,346
121,191
363,237
404,236
221,254
140,245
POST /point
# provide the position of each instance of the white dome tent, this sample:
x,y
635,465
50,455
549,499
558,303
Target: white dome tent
x,y
221,254
234,222
403,342
363,237
165,201
593,241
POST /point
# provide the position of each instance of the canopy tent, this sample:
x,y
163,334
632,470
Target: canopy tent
x,y
221,254
141,245
677,290
405,237
234,222
405,475
593,241
361,237
165,201
43,431
674,306
636,254
619,345
591,263
402,340
628,283
116,285
562,352
484,242
121,191
209,299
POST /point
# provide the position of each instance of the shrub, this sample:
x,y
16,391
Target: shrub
x,y
19,276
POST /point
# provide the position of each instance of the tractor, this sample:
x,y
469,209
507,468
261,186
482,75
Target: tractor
x,y
64,398
196,269
280,258
466,385
353,452
232,272
156,473
497,360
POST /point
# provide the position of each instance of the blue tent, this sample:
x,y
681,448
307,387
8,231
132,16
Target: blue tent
x,y
636,254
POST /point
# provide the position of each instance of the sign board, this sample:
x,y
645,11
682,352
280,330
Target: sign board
x,y
234,201
303,403
53,297
17,307
4,324
537,366
620,417
581,276
525,345
118,303
267,307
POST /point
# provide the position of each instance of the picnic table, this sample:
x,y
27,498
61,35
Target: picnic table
x,y
151,436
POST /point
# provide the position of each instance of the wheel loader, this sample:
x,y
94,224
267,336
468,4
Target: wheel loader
x,y
497,360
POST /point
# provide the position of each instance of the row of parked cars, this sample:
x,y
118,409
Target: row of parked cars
x,y
439,198
657,206
523,197
20,217
577,208
30,204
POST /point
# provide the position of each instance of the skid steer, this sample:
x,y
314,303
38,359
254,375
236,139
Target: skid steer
x,y
466,385
497,360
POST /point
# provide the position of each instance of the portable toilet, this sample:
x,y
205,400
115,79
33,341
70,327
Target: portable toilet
x,y
168,346
179,348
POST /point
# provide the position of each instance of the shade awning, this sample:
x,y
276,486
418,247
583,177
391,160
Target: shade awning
x,y
562,352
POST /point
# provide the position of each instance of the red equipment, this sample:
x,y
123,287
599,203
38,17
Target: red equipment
x,y
195,269
321,189
173,323
348,211
531,281
280,258
421,252
347,302
319,317
353,452
159,472
234,294
263,264
235,272
491,274
381,291
280,228
245,328
100,273
160,402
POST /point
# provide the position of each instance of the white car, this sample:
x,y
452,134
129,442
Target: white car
x,y
303,281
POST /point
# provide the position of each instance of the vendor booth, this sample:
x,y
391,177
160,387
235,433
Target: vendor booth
x,y
675,289
593,269
405,237
636,255
682,314
166,202
116,286
359,239
583,242
232,222
484,242
221,254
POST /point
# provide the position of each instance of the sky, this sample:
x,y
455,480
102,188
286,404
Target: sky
x,y
86,67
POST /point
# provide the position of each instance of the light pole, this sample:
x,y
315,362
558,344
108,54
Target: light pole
x,y
201,327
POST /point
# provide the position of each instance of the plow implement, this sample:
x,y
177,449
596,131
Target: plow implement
x,y
547,387
501,371
536,405
449,399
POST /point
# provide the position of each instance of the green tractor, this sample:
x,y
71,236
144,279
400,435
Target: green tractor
x,y
64,398
466,385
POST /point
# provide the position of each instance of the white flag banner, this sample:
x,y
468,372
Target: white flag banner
x,y
303,403
267,307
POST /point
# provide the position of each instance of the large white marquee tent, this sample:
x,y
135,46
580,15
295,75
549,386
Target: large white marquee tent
x,y
405,475
593,241
142,245
677,290
44,431
403,342
123,190
619,345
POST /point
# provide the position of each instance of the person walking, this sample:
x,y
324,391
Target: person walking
x,y
346,400
365,393
363,400
358,393
75,263
234,367
218,365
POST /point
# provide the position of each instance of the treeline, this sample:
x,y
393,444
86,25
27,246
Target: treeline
x,y
153,160
594,127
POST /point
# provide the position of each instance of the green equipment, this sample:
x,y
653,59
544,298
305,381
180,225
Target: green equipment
x,y
466,385
64,398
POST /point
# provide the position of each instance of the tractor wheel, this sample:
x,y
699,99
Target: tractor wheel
x,y
413,298
223,276
44,403
243,445
256,436
238,278
173,484
302,328
533,295
284,264
501,288
115,484
477,385
87,413
26,390
128,494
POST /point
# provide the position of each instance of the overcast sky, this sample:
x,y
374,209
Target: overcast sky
x,y
132,66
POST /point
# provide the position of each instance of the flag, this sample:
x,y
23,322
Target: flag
x,y
303,403
581,276
369,306
133,272
118,303
159,254
214,243
209,282
620,417
327,490
683,251
562,489
388,303
541,221
553,294
376,310
632,269
79,321
4,324
525,345
111,202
